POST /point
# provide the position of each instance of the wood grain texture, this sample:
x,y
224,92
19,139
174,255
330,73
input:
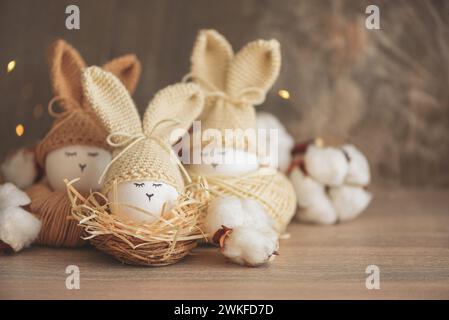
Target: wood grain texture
x,y
404,233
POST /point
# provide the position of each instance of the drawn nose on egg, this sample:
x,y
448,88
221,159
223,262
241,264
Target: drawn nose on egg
x,y
82,166
214,165
149,196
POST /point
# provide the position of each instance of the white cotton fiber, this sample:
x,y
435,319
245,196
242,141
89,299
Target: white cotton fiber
x,y
268,121
326,165
20,168
223,211
252,239
18,228
255,215
313,201
233,212
11,196
332,189
358,172
308,191
322,213
349,201
249,246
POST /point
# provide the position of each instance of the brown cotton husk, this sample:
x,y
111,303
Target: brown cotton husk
x,y
220,236
53,208
270,188
162,242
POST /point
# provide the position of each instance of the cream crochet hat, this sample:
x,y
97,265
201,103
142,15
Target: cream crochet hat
x,y
233,83
142,149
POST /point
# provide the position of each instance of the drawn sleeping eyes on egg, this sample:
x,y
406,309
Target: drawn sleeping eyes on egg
x,y
142,201
82,162
69,154
141,185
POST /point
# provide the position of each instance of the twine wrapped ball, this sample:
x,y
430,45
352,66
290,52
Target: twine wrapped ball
x,y
270,188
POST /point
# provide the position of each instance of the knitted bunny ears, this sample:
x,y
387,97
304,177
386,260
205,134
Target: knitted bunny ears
x,y
234,82
66,65
75,124
143,148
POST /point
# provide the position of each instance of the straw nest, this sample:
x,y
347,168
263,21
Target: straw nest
x,y
268,186
162,242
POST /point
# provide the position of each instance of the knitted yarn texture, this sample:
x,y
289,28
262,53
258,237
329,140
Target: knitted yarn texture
x,y
233,83
142,149
76,123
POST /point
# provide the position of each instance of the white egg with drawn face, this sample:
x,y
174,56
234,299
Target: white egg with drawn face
x,y
150,196
76,161
227,162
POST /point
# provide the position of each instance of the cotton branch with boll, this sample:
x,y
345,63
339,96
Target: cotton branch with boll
x,y
330,182
242,229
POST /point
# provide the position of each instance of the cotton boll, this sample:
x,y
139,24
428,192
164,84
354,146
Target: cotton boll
x,y
349,201
255,215
358,172
249,246
322,213
11,196
142,201
285,141
326,165
18,228
243,229
308,191
233,212
223,211
20,168
313,201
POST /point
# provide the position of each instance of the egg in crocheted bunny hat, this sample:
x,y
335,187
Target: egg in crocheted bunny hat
x,y
233,85
75,146
144,178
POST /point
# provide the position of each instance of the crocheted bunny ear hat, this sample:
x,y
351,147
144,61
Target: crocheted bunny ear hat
x,y
76,123
142,149
233,83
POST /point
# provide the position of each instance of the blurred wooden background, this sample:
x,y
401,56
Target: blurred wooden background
x,y
385,90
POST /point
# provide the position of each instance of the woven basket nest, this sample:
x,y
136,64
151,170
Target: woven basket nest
x,y
162,242
270,187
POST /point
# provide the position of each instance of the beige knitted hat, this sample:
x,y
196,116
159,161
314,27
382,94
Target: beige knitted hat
x,y
76,123
142,149
233,84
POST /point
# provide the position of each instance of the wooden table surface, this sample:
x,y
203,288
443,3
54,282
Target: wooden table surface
x,y
404,233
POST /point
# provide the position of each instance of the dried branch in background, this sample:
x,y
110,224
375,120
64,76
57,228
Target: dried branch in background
x,y
385,90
